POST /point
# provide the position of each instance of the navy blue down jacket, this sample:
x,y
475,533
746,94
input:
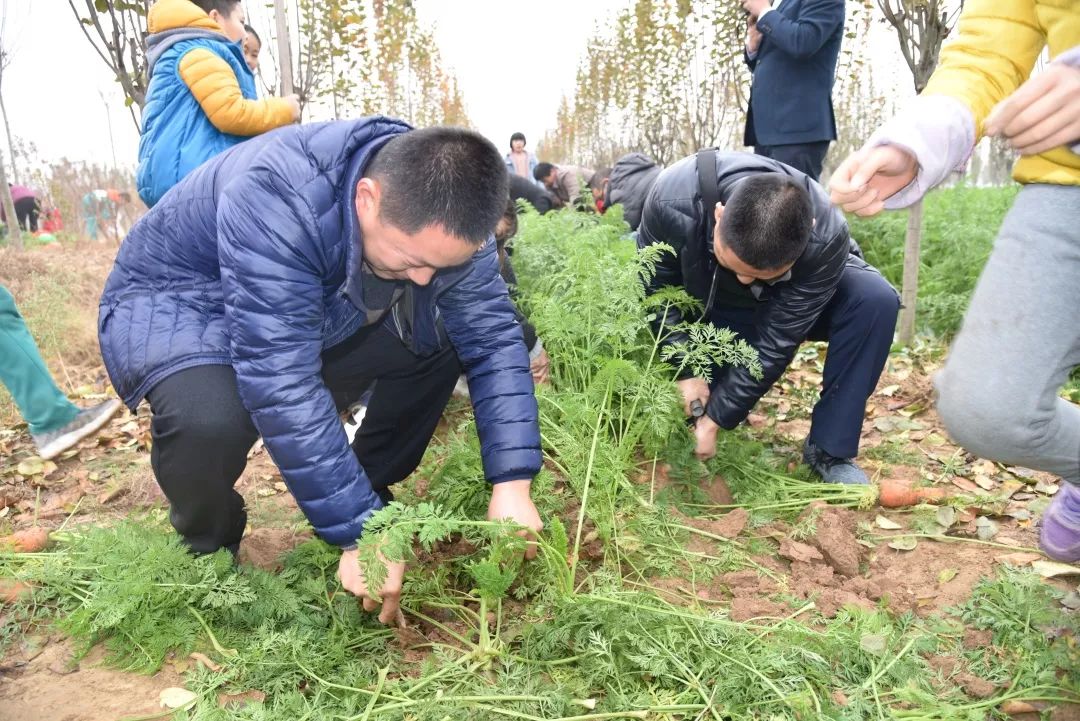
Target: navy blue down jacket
x,y
253,261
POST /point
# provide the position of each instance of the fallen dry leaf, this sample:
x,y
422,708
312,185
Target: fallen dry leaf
x,y
30,467
888,525
1015,708
111,494
904,543
964,484
1052,569
946,575
1009,487
174,697
205,661
240,699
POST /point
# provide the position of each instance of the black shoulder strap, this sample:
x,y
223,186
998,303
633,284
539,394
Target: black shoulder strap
x,y
710,193
710,196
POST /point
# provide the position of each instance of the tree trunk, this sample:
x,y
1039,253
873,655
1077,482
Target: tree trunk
x,y
11,145
14,232
910,290
284,44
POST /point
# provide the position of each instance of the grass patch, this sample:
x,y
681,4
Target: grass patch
x,y
959,227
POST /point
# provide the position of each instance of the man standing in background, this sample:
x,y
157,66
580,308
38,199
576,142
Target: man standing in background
x,y
791,49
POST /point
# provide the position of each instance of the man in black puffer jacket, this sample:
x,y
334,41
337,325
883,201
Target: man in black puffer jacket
x,y
767,254
627,183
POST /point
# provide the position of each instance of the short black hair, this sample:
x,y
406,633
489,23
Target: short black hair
x,y
509,222
517,136
596,182
251,31
225,7
542,170
446,176
767,220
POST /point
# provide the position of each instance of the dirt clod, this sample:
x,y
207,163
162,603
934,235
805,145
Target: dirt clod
x,y
976,687
835,538
732,524
974,639
831,600
717,491
801,552
744,608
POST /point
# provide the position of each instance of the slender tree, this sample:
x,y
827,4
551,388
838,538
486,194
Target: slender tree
x,y
5,62
921,27
117,31
14,231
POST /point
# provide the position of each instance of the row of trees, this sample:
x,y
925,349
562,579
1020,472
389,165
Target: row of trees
x,y
342,57
667,77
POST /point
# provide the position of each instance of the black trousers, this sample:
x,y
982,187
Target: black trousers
x,y
202,433
27,211
807,157
858,322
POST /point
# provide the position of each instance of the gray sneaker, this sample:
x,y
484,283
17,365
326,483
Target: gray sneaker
x,y
87,423
833,469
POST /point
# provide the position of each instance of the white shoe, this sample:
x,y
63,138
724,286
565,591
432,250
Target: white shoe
x,y
86,423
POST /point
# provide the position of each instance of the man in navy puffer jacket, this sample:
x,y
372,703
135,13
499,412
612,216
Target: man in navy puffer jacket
x,y
285,277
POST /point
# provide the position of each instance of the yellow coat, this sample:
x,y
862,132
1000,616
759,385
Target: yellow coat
x,y
212,81
994,49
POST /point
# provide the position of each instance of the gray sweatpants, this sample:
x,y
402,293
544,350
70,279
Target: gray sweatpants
x,y
1020,339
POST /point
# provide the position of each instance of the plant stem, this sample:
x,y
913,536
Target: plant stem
x,y
963,539
587,483
229,652
378,690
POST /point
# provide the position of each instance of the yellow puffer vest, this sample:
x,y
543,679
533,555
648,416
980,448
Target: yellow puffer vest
x,y
993,53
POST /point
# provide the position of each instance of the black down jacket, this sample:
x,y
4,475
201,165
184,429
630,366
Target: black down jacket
x,y
785,310
631,177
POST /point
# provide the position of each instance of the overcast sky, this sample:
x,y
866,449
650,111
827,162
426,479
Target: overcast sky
x,y
514,59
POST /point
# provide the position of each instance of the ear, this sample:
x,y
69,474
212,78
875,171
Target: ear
x,y
368,195
718,212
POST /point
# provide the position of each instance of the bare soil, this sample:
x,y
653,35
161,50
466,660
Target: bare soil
x,y
109,477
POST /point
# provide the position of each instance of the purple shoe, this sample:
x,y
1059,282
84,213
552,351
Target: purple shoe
x,y
1060,537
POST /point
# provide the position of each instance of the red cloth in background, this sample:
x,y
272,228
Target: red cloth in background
x,y
52,222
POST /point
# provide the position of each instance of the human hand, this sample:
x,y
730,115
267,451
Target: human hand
x,y
510,500
539,367
294,103
754,7
693,389
352,579
705,431
1042,114
753,36
869,176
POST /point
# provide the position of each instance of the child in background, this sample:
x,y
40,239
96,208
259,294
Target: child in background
x,y
53,222
201,97
1021,337
252,46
